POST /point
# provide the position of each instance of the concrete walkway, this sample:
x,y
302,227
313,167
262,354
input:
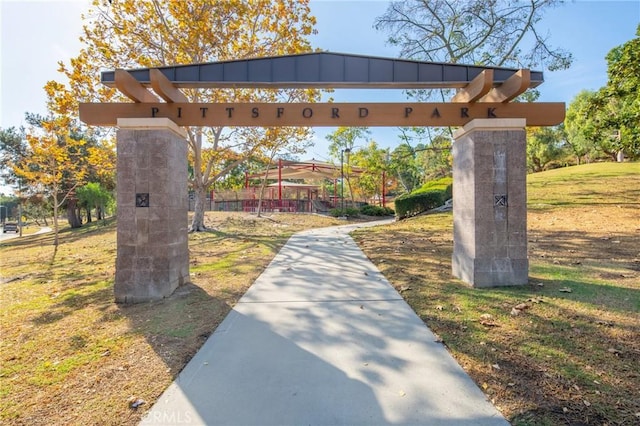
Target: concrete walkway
x,y
322,338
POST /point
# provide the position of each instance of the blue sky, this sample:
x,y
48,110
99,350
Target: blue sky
x,y
35,35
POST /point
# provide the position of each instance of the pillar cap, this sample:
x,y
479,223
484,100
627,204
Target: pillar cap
x,y
484,124
159,123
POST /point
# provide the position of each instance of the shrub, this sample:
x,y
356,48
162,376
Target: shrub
x,y
411,204
349,212
443,184
369,210
429,196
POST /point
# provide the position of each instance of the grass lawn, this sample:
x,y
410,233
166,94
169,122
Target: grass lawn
x,y
70,355
564,349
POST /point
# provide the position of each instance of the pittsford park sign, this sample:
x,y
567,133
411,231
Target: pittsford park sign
x,y
482,92
489,150
323,114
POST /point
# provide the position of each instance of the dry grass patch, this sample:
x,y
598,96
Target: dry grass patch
x,y
70,355
542,354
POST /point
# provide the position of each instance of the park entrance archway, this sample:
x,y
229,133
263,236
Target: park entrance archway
x,y
490,241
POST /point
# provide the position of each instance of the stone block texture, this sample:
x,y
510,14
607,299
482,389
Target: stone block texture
x,y
489,206
152,246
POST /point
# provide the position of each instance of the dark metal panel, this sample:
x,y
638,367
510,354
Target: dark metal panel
x,y
284,69
141,74
107,77
537,77
356,69
169,72
430,72
323,69
187,73
331,68
308,68
454,73
501,75
473,72
212,72
236,71
380,70
404,71
260,70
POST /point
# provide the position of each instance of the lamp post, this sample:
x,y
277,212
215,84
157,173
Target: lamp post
x,y
347,150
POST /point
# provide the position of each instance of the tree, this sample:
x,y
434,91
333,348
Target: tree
x,y
480,32
54,163
591,125
373,160
483,32
93,196
342,141
130,33
621,95
404,167
606,121
580,127
13,148
544,145
435,157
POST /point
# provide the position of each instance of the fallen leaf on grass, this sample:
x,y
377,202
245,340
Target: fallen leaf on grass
x,y
565,290
440,308
515,312
522,306
405,288
496,366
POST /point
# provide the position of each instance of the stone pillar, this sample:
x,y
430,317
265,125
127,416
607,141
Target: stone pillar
x,y
490,203
153,255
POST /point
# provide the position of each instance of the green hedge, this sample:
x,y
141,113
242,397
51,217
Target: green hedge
x,y
442,184
349,212
365,210
429,196
369,210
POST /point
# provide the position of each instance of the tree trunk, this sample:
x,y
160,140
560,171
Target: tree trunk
x,y
55,219
88,214
72,216
353,200
197,224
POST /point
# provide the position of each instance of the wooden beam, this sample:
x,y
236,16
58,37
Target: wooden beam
x,y
131,88
324,114
515,85
164,88
479,86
